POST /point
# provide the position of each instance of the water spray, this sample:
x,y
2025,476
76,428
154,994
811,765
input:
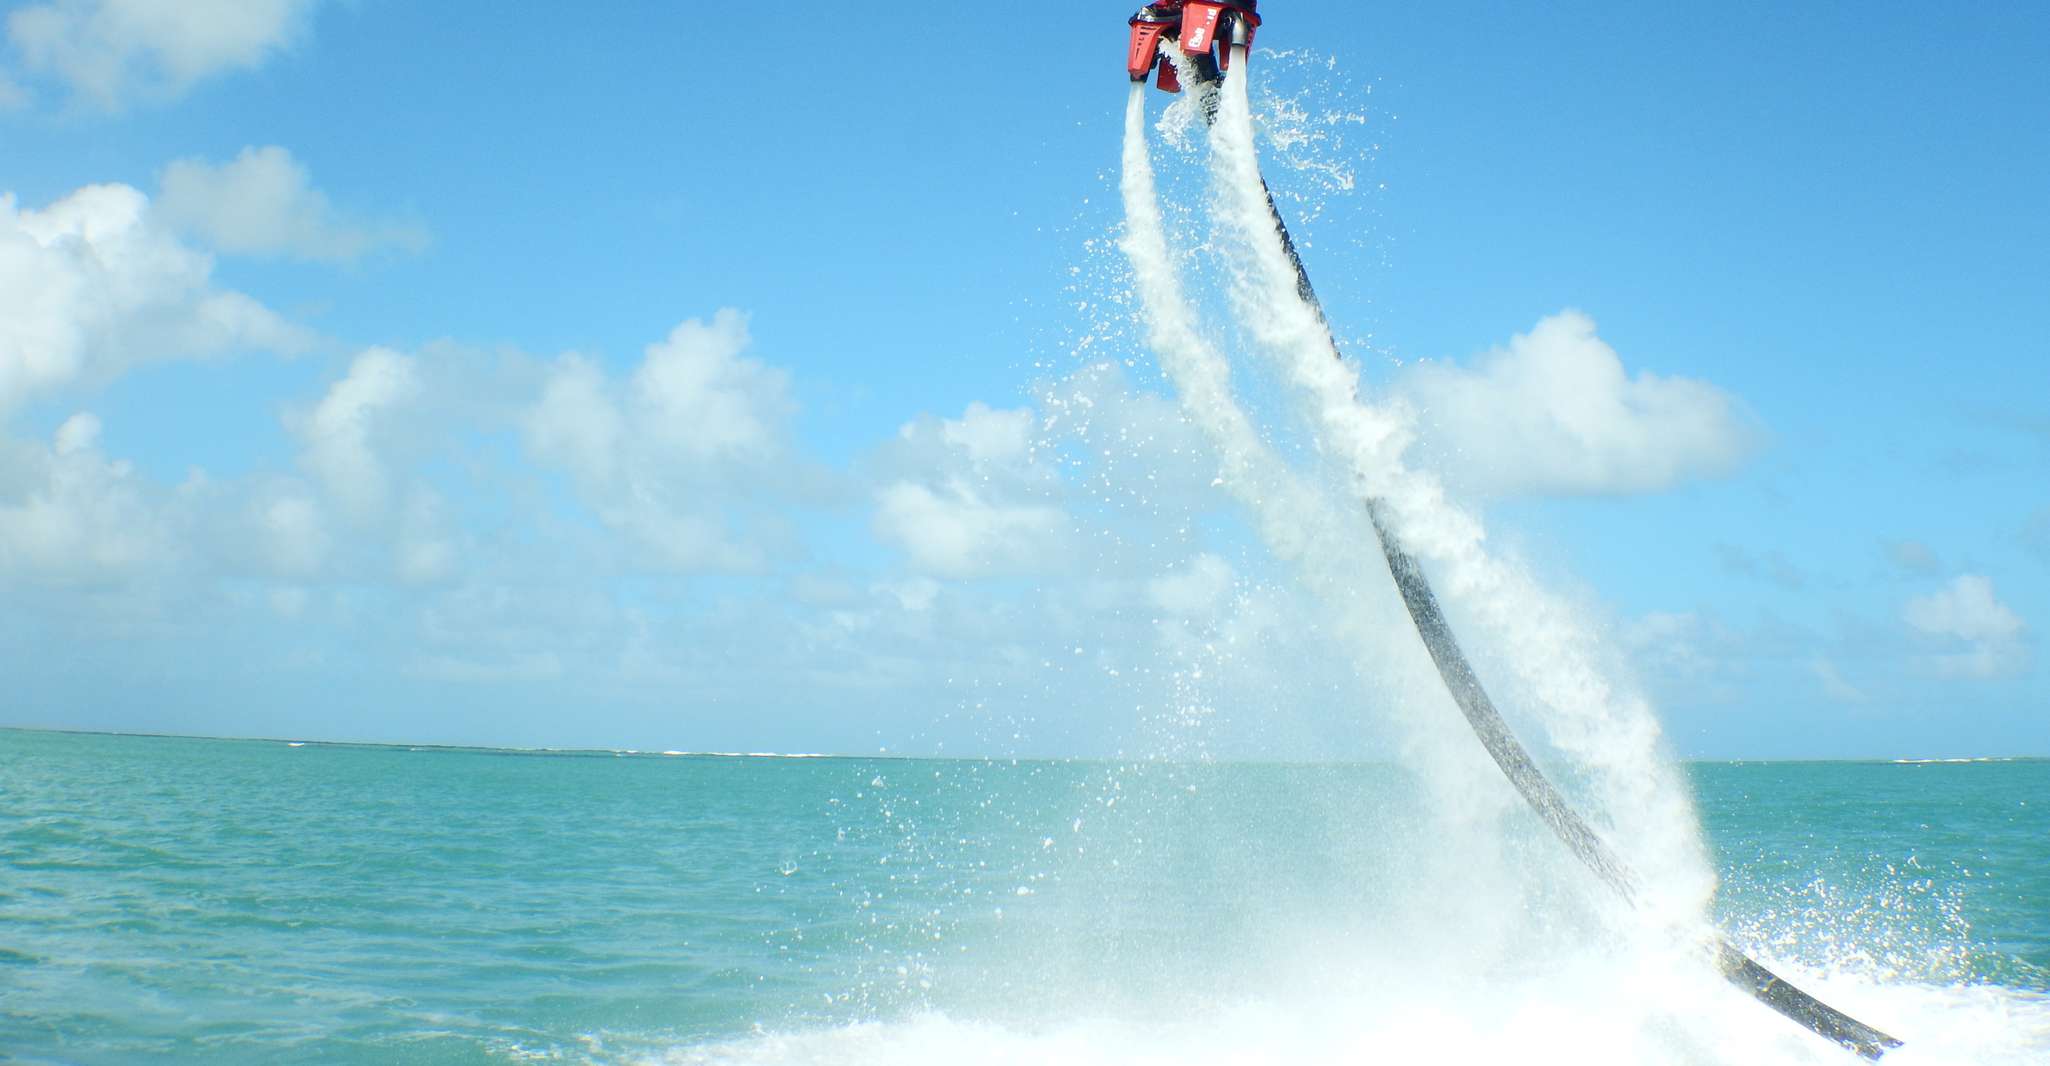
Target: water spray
x,y
1207,39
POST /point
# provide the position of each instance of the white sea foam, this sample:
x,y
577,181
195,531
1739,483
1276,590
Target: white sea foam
x,y
1565,1017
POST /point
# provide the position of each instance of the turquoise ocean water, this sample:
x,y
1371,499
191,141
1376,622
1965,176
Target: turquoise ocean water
x,y
248,901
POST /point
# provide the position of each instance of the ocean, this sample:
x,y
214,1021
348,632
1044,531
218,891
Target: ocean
x,y
228,901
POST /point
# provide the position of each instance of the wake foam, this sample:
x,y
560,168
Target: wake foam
x,y
1572,1016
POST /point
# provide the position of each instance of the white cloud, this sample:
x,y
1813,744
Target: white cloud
x,y
383,452
1983,638
1136,448
1199,588
78,433
694,397
68,514
408,543
1556,412
89,287
974,497
693,403
264,204
1966,608
988,438
72,515
291,533
673,454
112,52
336,434
426,548
957,531
577,424
985,440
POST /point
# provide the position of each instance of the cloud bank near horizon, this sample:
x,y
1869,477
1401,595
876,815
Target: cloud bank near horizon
x,y
655,537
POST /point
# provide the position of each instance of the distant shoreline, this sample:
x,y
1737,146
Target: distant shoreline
x,y
642,753
474,749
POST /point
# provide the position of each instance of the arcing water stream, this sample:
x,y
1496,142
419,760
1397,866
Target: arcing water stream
x,y
1611,735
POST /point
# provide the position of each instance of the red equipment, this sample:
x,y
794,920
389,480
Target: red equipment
x,y
1205,30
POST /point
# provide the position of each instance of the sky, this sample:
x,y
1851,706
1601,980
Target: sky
x,y
762,377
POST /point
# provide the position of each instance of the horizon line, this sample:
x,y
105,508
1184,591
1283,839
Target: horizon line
x,y
673,753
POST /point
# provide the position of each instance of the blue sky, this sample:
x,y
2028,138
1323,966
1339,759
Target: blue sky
x,y
707,379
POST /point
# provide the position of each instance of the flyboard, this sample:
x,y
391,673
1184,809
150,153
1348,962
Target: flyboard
x,y
1215,36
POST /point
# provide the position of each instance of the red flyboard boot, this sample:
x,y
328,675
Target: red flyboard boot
x,y
1207,23
1153,23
